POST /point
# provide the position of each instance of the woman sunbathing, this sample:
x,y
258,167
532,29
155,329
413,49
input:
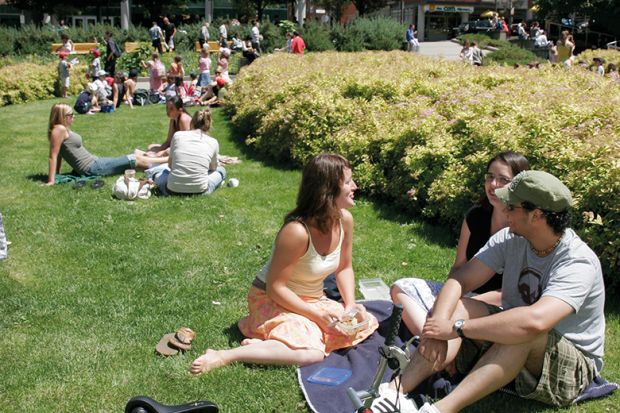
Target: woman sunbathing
x,y
68,144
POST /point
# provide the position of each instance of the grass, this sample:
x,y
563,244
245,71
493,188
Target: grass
x,y
92,283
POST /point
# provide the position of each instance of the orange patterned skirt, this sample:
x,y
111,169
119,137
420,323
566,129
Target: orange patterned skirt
x,y
269,321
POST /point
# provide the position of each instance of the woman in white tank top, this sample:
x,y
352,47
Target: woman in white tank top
x,y
290,321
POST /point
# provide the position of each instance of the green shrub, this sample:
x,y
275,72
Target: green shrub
x,y
483,40
317,37
420,131
512,55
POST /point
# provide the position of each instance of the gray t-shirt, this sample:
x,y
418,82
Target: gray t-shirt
x,y
572,273
72,151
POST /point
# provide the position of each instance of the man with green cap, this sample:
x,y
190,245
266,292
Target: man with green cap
x,y
547,339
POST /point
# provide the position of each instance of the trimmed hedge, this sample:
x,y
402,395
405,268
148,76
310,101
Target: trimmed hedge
x,y
420,131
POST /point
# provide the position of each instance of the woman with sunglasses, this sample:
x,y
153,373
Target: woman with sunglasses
x,y
483,220
66,144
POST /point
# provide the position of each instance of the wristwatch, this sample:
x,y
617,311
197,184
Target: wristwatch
x,y
458,327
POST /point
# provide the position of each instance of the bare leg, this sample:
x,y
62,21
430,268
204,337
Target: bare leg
x,y
145,162
258,352
499,365
414,316
419,369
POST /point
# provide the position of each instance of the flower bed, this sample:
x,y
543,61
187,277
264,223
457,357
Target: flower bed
x,y
420,131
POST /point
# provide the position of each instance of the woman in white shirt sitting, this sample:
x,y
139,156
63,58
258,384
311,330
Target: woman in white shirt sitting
x,y
193,166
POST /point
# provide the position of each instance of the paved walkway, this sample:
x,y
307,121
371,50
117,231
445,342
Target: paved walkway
x,y
445,49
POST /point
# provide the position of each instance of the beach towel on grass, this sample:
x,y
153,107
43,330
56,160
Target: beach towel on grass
x,y
363,360
68,178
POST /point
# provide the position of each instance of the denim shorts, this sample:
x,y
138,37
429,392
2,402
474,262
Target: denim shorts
x,y
112,166
204,79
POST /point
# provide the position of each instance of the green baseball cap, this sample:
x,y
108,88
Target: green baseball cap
x,y
540,188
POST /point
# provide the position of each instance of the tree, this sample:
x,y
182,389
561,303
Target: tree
x,y
366,6
605,13
333,8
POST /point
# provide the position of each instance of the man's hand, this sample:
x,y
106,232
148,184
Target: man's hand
x,y
440,329
434,351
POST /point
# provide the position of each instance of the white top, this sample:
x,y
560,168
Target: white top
x,y
192,155
311,269
255,34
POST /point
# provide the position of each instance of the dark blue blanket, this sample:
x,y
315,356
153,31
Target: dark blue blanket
x,y
363,360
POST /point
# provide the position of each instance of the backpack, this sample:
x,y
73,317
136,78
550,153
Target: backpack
x,y
82,104
155,97
141,97
116,51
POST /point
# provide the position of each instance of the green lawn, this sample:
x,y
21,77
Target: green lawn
x,y
92,283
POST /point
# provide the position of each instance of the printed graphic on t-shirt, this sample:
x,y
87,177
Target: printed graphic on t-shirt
x,y
530,285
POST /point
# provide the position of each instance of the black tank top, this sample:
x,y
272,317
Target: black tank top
x,y
479,222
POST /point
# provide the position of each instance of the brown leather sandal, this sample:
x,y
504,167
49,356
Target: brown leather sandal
x,y
171,343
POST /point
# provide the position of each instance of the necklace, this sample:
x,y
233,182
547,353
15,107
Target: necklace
x,y
547,251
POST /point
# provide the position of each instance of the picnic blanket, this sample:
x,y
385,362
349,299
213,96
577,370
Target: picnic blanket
x,y
363,360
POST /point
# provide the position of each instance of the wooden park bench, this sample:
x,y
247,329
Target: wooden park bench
x,y
214,47
78,48
131,46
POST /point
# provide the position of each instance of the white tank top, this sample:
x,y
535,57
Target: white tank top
x,y
311,269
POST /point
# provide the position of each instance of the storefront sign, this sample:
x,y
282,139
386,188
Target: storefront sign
x,y
448,9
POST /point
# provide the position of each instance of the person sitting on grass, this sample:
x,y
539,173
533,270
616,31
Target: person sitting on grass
x,y
66,144
417,295
180,120
193,166
215,94
290,321
547,339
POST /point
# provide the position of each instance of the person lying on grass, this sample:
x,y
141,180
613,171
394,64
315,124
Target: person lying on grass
x,y
66,144
290,321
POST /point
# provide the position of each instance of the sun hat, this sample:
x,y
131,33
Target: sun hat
x,y
101,73
539,188
95,52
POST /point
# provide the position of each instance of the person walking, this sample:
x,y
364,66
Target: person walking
x,y
156,36
112,53
170,30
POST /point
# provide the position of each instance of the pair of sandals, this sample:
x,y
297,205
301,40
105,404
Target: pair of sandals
x,y
173,343
97,183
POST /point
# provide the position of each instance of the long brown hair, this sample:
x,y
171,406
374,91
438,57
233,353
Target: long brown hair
x,y
320,185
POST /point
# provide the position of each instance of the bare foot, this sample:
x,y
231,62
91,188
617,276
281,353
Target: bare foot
x,y
248,341
208,361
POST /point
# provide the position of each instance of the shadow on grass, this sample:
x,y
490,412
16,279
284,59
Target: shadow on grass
x,y
429,232
38,178
234,335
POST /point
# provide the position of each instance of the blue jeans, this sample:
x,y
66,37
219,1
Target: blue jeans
x,y
216,178
112,166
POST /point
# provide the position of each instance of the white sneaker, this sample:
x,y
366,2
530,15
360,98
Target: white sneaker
x,y
429,408
391,401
